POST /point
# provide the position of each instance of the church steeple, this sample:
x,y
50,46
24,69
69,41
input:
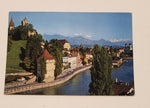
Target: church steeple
x,y
11,24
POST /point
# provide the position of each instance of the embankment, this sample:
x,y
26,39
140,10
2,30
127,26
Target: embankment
x,y
34,86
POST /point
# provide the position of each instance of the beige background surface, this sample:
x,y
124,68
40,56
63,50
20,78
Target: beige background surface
x,y
141,26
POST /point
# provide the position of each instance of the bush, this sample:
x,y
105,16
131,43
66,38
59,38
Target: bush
x,y
10,78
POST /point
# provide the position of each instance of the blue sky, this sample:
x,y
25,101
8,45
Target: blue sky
x,y
94,26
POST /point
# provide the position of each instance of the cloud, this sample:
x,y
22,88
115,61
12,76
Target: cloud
x,y
88,36
115,40
77,34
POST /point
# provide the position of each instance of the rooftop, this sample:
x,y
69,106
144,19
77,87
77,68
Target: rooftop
x,y
11,22
46,55
63,41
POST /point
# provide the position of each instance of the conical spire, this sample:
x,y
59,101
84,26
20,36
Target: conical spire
x,y
11,22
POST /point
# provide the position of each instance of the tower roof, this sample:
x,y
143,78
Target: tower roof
x,y
46,55
11,22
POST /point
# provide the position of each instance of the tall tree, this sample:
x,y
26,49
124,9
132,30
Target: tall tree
x,y
54,44
58,65
32,52
112,53
42,72
100,73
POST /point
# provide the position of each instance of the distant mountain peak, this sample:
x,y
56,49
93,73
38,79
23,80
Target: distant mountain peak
x,y
77,40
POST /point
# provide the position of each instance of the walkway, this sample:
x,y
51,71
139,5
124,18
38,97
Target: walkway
x,y
65,76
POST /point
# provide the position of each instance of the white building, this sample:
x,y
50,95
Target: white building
x,y
71,60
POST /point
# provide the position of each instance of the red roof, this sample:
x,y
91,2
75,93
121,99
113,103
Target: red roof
x,y
46,55
11,22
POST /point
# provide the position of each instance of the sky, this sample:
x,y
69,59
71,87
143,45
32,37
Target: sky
x,y
94,26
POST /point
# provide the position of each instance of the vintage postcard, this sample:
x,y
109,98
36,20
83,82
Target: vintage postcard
x,y
69,53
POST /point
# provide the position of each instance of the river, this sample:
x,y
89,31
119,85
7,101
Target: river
x,y
79,85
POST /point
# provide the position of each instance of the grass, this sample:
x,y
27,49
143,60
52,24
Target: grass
x,y
13,56
12,71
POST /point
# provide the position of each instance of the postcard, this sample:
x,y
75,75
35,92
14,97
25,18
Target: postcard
x,y
69,53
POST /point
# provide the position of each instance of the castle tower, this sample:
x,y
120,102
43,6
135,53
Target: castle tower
x,y
11,24
24,22
50,66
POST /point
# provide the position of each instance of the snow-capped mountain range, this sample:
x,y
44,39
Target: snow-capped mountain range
x,y
81,40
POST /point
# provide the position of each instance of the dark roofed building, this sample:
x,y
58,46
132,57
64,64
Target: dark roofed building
x,y
66,44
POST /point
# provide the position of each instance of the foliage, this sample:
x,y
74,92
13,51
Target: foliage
x,y
32,52
30,27
10,78
122,55
20,32
101,72
27,63
58,65
46,45
65,54
42,72
81,51
55,44
68,66
56,51
112,53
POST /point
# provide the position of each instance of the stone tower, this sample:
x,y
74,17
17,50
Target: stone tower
x,y
24,22
11,24
50,66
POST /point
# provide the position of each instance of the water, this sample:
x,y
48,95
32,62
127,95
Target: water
x,y
79,85
124,73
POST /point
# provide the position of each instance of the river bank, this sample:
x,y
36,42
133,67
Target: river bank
x,y
128,58
61,79
79,84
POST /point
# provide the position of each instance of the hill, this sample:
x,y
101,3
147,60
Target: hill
x,y
13,56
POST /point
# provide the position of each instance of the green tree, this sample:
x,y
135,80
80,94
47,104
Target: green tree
x,y
56,51
58,65
112,53
30,27
42,72
122,55
27,63
33,51
55,44
46,45
100,72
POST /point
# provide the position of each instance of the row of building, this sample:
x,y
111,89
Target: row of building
x,y
73,60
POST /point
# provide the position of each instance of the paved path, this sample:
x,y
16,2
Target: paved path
x,y
65,76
